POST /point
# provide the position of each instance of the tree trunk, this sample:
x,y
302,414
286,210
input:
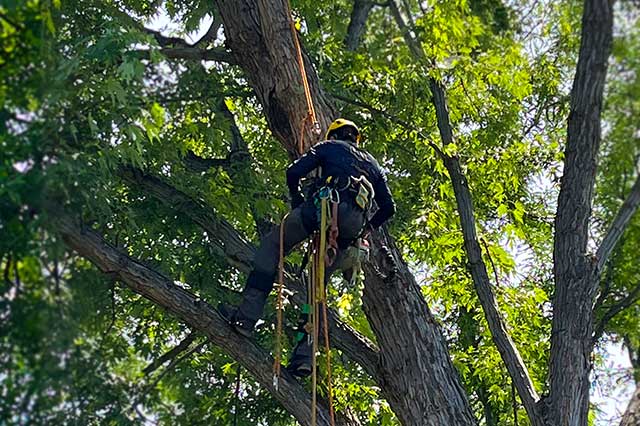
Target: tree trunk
x,y
420,382
576,277
258,32
417,375
631,416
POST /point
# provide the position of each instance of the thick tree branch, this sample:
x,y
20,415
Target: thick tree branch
x,y
192,311
258,32
499,331
212,32
619,224
224,238
190,53
359,15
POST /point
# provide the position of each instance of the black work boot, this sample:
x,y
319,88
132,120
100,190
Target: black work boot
x,y
243,318
300,363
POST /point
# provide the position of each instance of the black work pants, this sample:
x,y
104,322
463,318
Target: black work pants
x,y
298,226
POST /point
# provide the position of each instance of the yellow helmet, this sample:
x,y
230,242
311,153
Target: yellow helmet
x,y
341,122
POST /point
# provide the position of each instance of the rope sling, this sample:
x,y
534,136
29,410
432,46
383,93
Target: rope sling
x,y
316,291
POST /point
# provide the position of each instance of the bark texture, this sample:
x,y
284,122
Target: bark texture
x,y
258,32
631,416
575,273
419,380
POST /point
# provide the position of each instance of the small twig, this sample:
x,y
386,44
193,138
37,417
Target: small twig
x,y
56,275
493,265
113,314
16,273
170,367
170,355
615,309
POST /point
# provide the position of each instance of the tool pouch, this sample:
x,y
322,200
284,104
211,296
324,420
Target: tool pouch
x,y
363,191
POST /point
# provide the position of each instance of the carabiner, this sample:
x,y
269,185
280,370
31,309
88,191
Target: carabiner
x,y
334,196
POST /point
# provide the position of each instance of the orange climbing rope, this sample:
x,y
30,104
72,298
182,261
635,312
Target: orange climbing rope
x,y
316,284
311,111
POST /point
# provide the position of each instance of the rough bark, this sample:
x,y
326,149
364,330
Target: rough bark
x,y
575,273
631,415
258,32
420,382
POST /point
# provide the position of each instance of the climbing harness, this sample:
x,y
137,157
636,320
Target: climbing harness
x,y
329,208
316,297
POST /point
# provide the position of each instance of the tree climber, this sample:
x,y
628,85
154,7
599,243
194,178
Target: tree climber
x,y
354,178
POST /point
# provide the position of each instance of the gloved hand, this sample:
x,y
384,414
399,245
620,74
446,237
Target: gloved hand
x,y
296,200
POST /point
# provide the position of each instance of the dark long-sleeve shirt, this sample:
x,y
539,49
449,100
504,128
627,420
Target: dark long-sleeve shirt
x,y
341,159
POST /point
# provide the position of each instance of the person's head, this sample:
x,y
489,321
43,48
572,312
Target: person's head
x,y
343,130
